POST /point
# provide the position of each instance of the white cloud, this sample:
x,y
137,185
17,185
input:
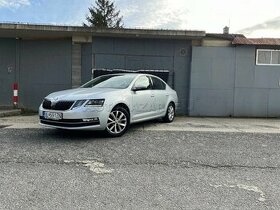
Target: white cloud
x,y
167,14
14,3
253,18
208,15
264,33
268,28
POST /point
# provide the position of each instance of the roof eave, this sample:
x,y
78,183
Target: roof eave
x,y
38,31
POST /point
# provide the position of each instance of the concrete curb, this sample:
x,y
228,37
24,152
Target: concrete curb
x,y
181,124
9,113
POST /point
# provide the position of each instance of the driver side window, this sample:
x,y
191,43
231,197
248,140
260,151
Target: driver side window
x,y
143,81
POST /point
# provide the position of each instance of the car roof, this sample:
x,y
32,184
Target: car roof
x,y
136,74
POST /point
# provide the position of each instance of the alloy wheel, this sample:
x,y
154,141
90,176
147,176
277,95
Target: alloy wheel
x,y
171,112
117,122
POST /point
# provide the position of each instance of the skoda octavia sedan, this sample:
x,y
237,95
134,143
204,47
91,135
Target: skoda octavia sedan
x,y
110,103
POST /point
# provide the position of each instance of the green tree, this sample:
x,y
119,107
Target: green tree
x,y
104,15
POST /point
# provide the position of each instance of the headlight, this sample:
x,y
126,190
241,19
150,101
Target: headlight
x,y
95,102
78,103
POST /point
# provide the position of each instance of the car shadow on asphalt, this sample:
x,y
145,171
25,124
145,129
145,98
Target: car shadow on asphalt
x,y
74,134
80,135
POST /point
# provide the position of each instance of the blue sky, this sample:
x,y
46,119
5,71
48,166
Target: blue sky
x,y
254,18
44,11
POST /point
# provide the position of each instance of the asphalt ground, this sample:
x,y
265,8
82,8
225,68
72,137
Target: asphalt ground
x,y
147,168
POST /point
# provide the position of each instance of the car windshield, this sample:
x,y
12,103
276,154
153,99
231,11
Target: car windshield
x,y
110,81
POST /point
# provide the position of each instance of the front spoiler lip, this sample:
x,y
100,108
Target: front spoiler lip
x,y
69,123
92,127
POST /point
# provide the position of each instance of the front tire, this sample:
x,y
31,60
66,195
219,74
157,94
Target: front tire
x,y
170,113
118,122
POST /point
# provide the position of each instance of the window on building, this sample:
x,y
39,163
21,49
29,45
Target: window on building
x,y
268,57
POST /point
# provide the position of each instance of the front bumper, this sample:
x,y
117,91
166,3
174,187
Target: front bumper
x,y
82,118
70,123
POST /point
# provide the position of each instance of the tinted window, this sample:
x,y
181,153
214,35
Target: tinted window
x,y
158,84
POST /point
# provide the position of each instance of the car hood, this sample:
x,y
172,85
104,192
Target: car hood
x,y
82,93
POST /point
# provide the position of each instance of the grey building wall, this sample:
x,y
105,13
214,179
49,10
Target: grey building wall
x,y
212,81
225,81
87,62
222,81
38,66
257,92
143,54
76,65
45,67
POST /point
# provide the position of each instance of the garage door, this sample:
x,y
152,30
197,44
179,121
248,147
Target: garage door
x,y
7,70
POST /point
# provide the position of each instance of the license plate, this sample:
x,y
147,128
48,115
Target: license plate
x,y
52,115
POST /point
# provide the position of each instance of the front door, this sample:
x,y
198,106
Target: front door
x,y
142,100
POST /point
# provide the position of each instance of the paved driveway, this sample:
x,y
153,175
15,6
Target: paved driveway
x,y
246,125
190,164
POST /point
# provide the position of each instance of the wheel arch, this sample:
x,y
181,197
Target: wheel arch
x,y
123,105
173,103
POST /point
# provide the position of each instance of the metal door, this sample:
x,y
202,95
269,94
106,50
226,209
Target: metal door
x,y
7,70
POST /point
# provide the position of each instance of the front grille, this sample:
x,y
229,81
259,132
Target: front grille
x,y
47,104
60,105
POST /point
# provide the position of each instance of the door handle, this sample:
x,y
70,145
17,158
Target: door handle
x,y
152,96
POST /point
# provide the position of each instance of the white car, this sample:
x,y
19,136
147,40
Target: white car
x,y
111,103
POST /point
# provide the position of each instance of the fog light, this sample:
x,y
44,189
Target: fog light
x,y
90,119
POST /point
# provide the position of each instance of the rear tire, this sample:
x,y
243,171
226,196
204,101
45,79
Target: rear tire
x,y
118,122
170,113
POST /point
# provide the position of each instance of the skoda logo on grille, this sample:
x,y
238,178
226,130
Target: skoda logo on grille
x,y
53,102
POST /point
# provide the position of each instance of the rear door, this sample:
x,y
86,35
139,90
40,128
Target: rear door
x,y
160,95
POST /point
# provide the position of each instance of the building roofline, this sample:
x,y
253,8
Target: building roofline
x,y
223,36
25,30
256,41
